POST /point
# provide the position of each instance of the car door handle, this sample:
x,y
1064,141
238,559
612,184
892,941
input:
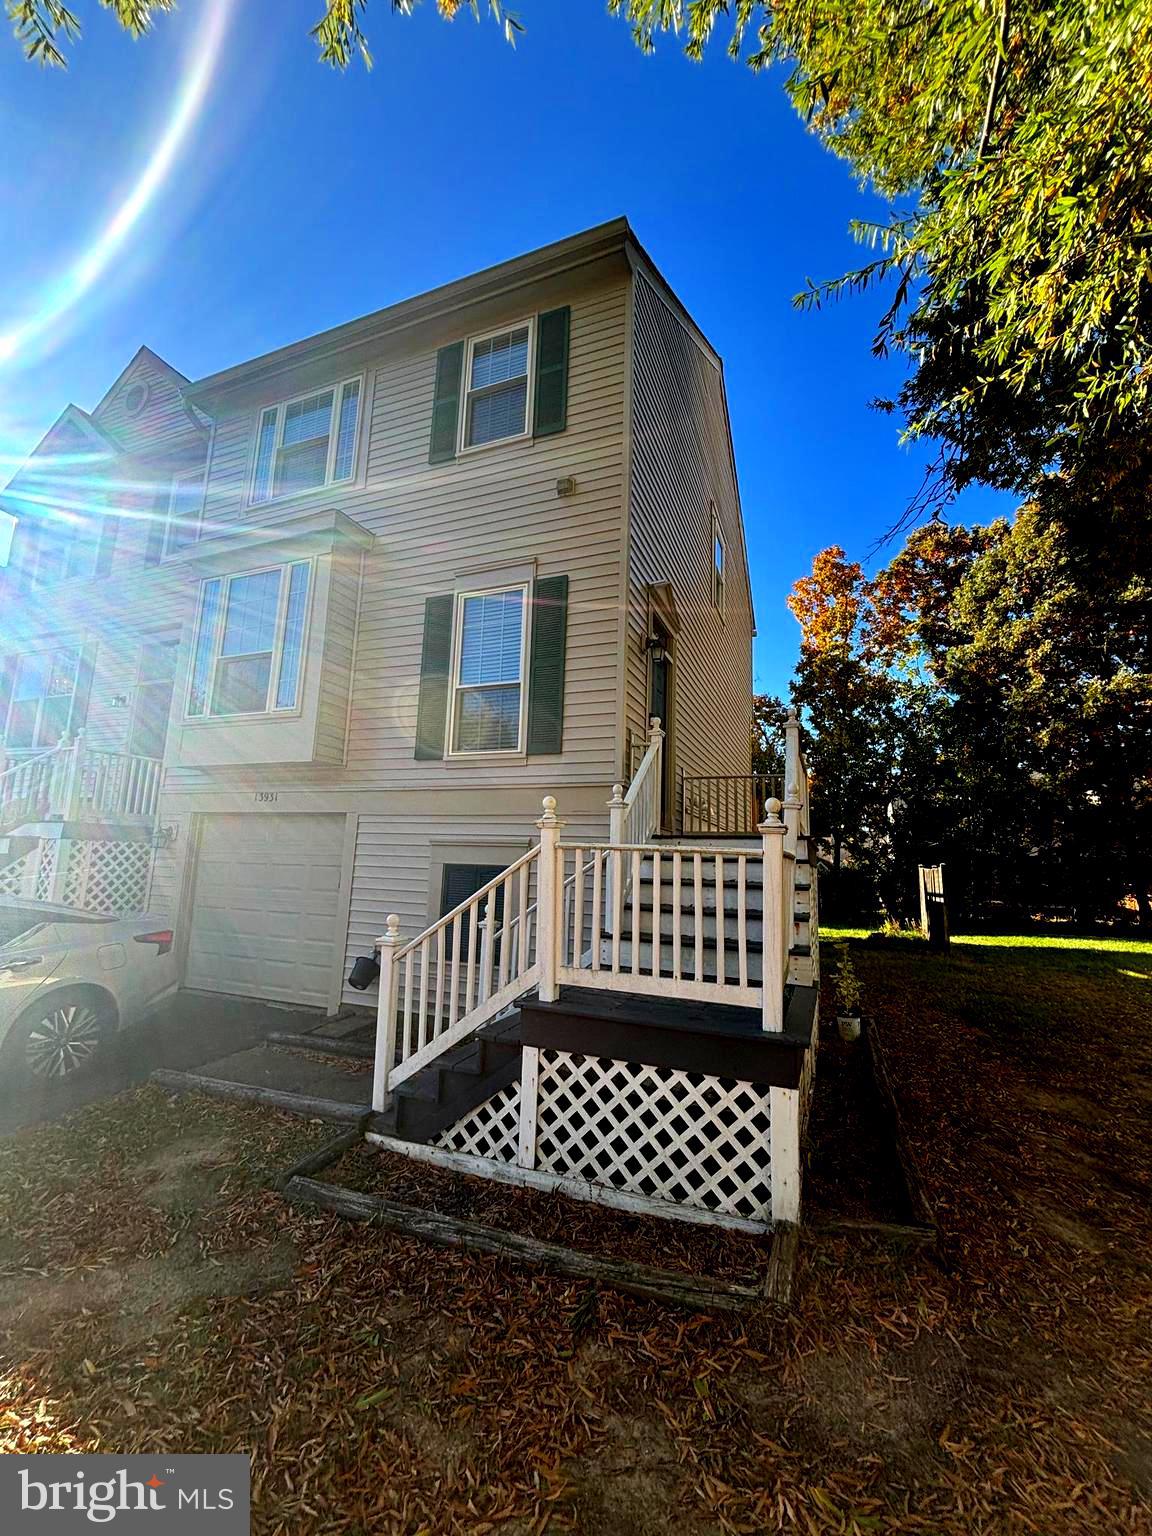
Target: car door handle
x,y
24,963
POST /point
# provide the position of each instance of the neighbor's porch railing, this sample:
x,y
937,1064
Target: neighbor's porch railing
x,y
72,782
726,804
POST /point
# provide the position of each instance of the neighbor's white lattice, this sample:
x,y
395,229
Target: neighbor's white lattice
x,y
696,1140
490,1130
46,869
108,877
12,875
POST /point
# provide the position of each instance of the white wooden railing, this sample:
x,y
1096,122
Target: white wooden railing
x,y
635,817
73,782
441,986
630,914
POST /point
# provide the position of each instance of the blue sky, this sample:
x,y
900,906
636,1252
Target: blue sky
x,y
299,198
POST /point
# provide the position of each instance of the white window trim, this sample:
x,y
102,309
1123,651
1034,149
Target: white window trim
x,y
464,447
719,577
454,687
197,475
270,712
280,406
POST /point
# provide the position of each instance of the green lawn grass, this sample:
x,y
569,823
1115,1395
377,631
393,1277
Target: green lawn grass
x,y
1039,941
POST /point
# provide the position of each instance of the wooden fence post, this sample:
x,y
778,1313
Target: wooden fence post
x,y
548,887
771,829
386,1012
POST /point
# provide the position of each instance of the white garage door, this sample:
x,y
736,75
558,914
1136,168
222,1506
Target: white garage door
x,y
264,910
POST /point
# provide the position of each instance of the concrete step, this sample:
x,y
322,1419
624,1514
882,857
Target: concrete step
x,y
282,1079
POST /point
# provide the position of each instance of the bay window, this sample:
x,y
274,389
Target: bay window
x,y
249,649
306,443
488,672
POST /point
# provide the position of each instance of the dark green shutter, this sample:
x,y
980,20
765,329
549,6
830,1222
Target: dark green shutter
x,y
446,403
78,717
546,666
157,526
7,678
435,658
110,525
551,414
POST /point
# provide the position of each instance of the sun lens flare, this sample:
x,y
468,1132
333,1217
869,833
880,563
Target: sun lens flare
x,y
19,343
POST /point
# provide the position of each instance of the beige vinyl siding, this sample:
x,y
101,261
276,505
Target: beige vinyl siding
x,y
164,423
339,650
496,508
396,856
681,462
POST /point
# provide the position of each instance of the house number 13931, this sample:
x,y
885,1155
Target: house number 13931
x,y
265,796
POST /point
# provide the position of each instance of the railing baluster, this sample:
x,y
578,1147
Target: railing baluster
x,y
636,916
617,906
409,1048
422,1007
505,935
470,981
454,992
678,912
698,913
522,950
721,910
742,917
440,957
597,900
578,910
657,915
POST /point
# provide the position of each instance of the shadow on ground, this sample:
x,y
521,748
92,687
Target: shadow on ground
x,y
188,1030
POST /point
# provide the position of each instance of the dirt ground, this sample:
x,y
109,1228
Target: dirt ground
x,y
156,1295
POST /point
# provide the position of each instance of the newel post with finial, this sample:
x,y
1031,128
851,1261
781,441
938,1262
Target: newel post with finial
x,y
386,1007
549,886
773,960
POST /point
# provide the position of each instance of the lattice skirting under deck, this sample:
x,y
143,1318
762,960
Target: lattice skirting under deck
x,y
491,1130
692,1140
13,875
108,877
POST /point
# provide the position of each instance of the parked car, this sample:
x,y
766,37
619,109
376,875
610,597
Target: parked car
x,y
69,980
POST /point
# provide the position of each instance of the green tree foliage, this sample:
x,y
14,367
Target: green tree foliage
x,y
986,700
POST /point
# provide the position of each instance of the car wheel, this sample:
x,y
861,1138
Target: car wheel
x,y
58,1037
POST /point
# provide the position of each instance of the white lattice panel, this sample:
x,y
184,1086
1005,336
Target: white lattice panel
x,y
108,877
12,875
46,869
491,1130
695,1140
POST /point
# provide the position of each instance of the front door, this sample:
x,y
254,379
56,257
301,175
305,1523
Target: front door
x,y
659,707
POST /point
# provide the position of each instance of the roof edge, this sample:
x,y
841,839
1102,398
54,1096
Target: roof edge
x,y
545,261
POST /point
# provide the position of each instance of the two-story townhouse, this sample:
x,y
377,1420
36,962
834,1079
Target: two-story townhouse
x,y
91,618
453,558
473,558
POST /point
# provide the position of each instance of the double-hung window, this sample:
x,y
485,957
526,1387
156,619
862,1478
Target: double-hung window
x,y
496,386
488,671
43,688
185,505
249,652
306,443
718,564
